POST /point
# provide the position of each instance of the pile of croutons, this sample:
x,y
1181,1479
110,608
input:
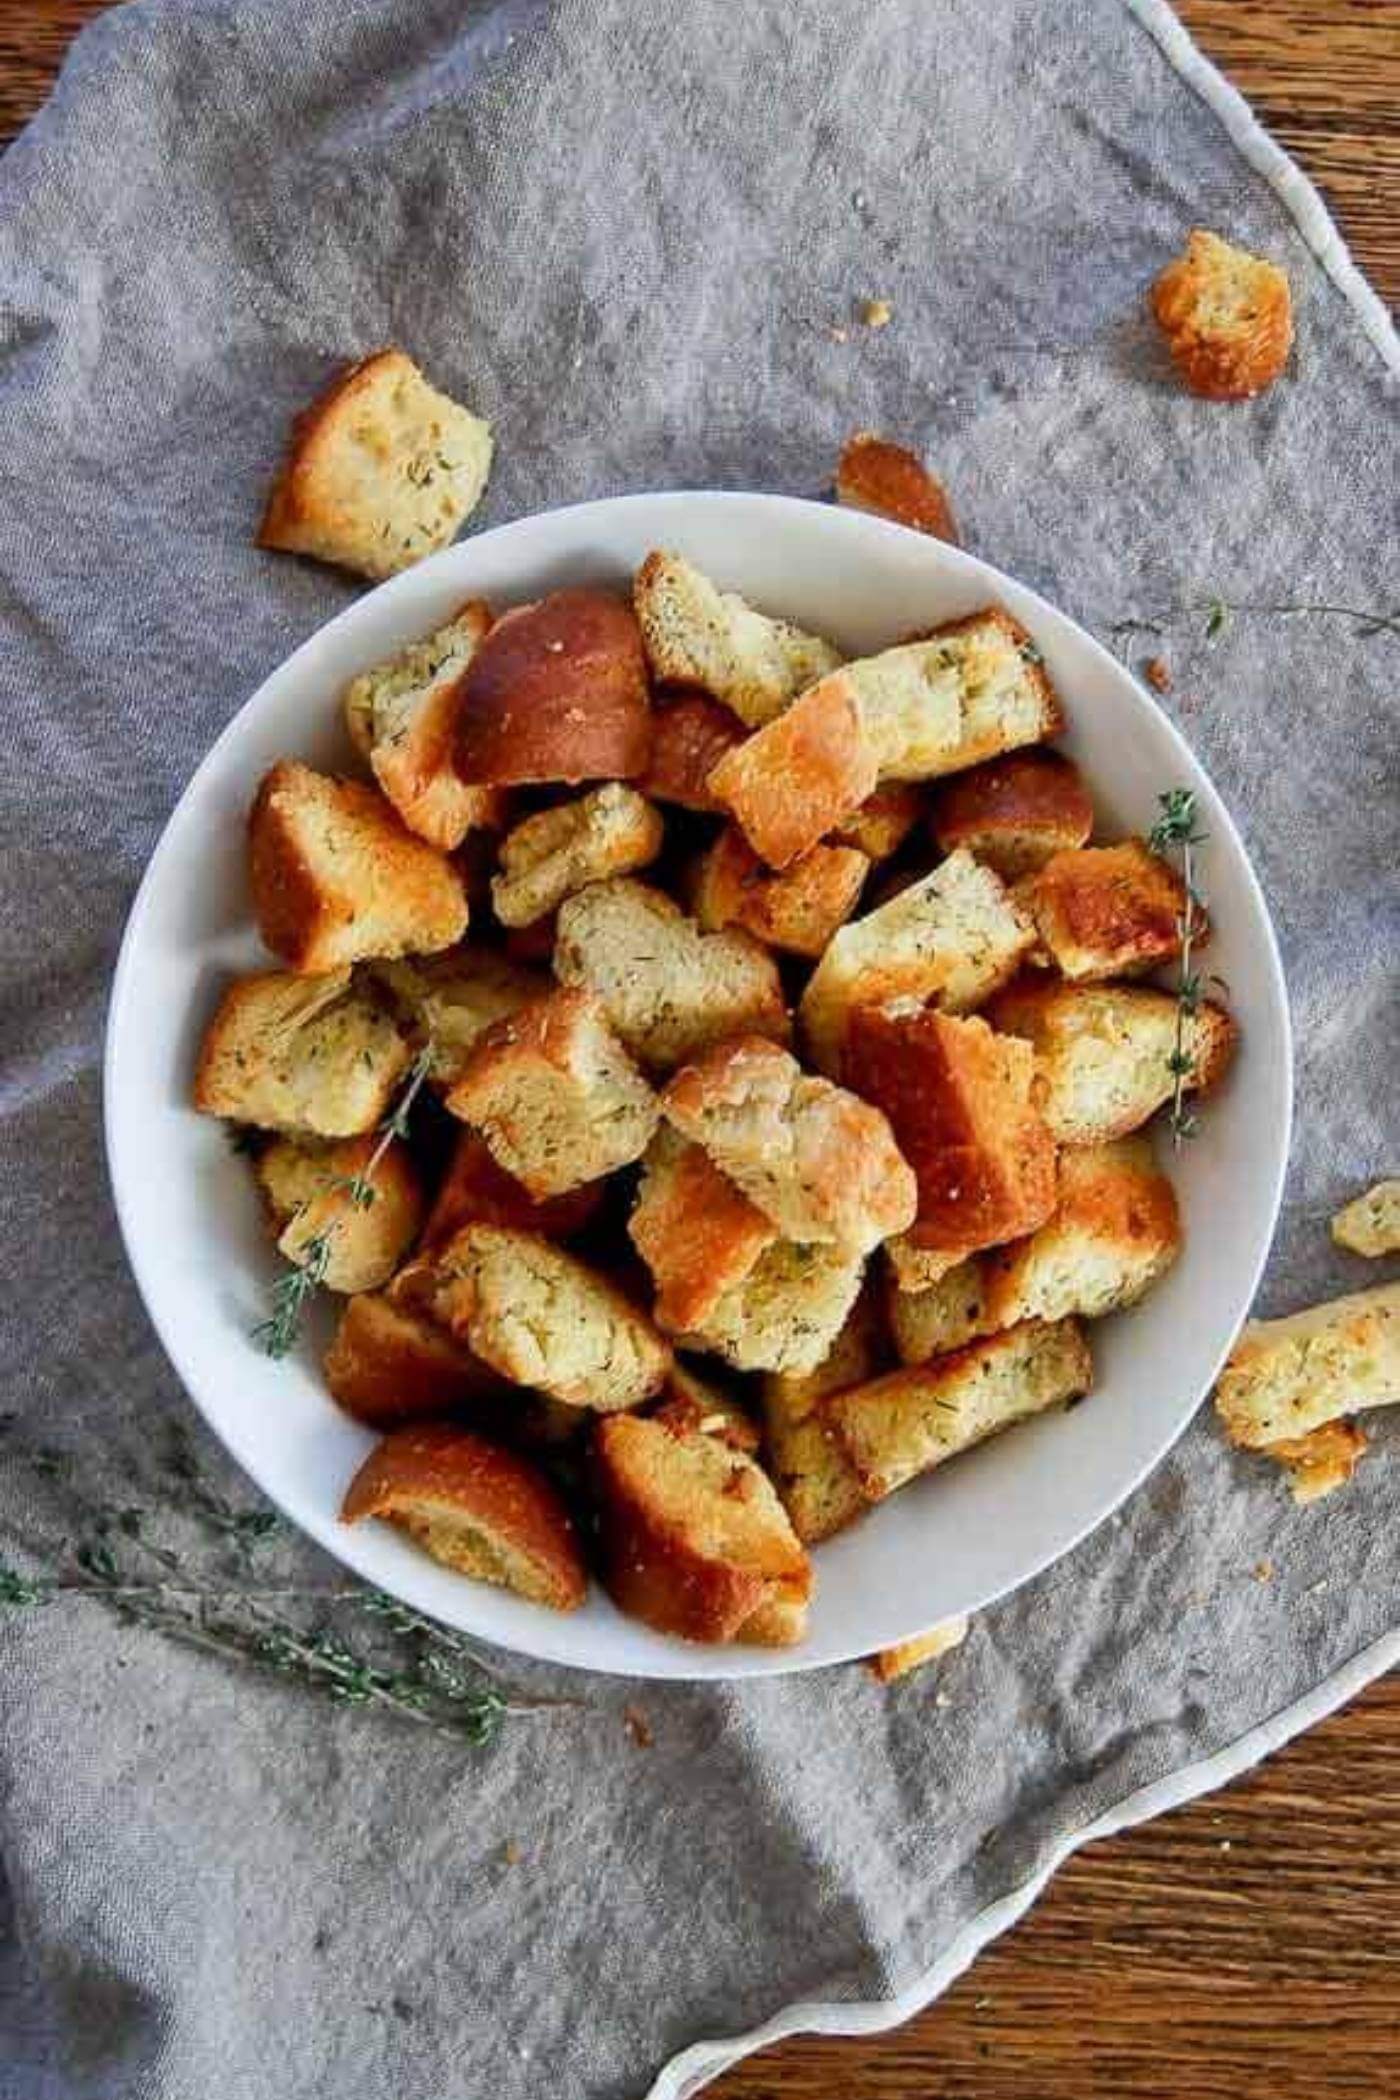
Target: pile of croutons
x,y
777,1128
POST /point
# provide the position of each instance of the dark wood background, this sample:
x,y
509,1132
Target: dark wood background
x,y
1247,1948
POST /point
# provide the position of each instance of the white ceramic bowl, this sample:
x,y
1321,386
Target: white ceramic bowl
x,y
947,1544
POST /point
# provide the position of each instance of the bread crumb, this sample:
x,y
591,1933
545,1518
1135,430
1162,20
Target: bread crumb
x,y
838,335
638,1727
1263,1571
1158,674
511,1854
876,313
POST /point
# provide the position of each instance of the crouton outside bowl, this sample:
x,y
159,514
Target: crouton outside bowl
x,y
951,1542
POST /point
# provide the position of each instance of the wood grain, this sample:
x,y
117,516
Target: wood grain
x,y
1249,1946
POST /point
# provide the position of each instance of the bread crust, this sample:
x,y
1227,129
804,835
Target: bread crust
x,y
691,733
476,1191
694,1406
883,821
1109,911
1322,1461
796,910
557,692
890,1664
791,782
698,1233
877,475
1014,812
387,1365
1227,316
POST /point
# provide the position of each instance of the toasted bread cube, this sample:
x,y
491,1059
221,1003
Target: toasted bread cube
x,y
448,1001
1287,1377
697,1233
389,1365
1114,1232
479,1509
370,700
696,1406
787,1312
943,1315
960,1102
912,1420
543,1318
796,910
888,479
954,936
694,1540
809,770
1320,1462
312,1056
1109,911
401,716
475,1191
381,470
556,692
1227,316
817,1160
611,831
555,1095
1103,1052
314,1189
1016,812
336,877
890,1664
669,990
698,635
883,821
1370,1224
811,1472
690,734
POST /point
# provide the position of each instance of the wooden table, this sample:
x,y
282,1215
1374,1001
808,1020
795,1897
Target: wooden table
x,y
1249,1946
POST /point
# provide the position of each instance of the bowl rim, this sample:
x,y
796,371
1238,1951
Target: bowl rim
x,y
675,1661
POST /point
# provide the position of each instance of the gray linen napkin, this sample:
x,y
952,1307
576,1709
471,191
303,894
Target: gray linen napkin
x,y
631,233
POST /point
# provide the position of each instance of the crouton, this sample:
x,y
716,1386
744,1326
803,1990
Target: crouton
x,y
1227,316
313,1056
389,1365
1114,1232
1103,1052
876,475
541,1317
370,700
669,990
883,821
447,1001
695,1406
475,1191
796,910
890,1664
785,1314
811,1472
610,831
1287,1377
555,1095
311,1190
1109,911
1370,1224
788,784
815,1159
697,1233
690,734
912,1420
954,936
698,635
943,1315
401,715
557,691
481,1510
1015,812
694,1540
380,471
960,1103
1321,1461
336,877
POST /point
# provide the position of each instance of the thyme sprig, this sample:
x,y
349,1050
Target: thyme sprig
x,y
1175,830
1216,613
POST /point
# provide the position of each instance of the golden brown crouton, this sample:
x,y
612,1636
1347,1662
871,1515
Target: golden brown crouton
x,y
610,831
669,989
389,1365
796,910
698,635
477,1508
1109,911
911,1420
543,1318
1015,812
336,877
691,733
1103,1051
555,1095
817,1160
309,1055
811,1472
890,1664
557,691
788,784
696,1406
370,699
1227,316
1114,1232
1321,1461
381,470
475,1191
960,1103
697,1233
1287,1377
312,1189
883,821
448,1000
786,1313
694,1540
891,481
940,1316
954,936
1370,1224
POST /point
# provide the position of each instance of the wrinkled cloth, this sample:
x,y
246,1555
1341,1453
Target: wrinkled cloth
x,y
636,236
